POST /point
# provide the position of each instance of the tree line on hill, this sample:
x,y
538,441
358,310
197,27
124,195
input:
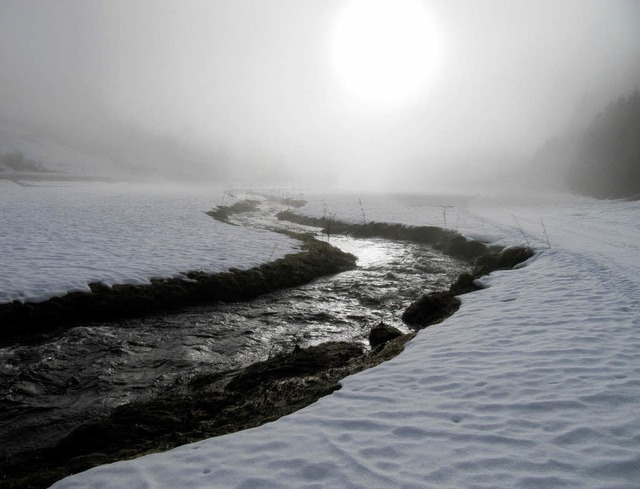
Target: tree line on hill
x,y
602,161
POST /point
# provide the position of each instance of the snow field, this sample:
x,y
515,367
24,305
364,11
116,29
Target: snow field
x,y
533,383
57,239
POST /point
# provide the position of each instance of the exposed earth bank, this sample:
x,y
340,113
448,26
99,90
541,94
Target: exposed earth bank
x,y
23,321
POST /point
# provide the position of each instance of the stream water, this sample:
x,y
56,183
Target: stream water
x,y
83,373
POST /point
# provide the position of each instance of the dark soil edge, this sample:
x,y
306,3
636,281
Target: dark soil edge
x,y
447,241
24,321
435,307
212,405
223,213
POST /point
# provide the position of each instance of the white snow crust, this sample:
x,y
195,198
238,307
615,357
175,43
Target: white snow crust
x,y
534,383
55,239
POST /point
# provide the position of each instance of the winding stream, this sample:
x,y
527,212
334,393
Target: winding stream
x,y
47,389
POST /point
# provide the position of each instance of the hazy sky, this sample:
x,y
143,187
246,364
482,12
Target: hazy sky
x,y
328,91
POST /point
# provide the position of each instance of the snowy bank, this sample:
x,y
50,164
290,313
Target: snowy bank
x,y
533,383
60,238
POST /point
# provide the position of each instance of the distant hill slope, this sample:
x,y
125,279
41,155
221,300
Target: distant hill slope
x,y
18,162
26,156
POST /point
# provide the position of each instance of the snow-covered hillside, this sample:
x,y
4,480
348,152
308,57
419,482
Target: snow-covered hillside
x,y
533,384
25,156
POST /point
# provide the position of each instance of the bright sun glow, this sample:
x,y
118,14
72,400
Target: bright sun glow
x,y
384,51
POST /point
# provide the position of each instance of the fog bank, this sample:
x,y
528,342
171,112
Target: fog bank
x,y
247,90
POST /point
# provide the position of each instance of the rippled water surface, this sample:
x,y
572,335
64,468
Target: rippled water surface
x,y
48,389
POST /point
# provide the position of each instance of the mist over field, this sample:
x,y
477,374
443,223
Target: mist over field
x,y
408,95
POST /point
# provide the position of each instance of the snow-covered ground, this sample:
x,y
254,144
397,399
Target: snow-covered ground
x,y
533,383
56,237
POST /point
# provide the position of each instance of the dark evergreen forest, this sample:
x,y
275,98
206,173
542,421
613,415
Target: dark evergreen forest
x,y
601,161
607,157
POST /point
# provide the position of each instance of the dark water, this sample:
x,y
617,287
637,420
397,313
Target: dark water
x,y
48,389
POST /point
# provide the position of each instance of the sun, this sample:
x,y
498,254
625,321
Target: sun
x,y
384,51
